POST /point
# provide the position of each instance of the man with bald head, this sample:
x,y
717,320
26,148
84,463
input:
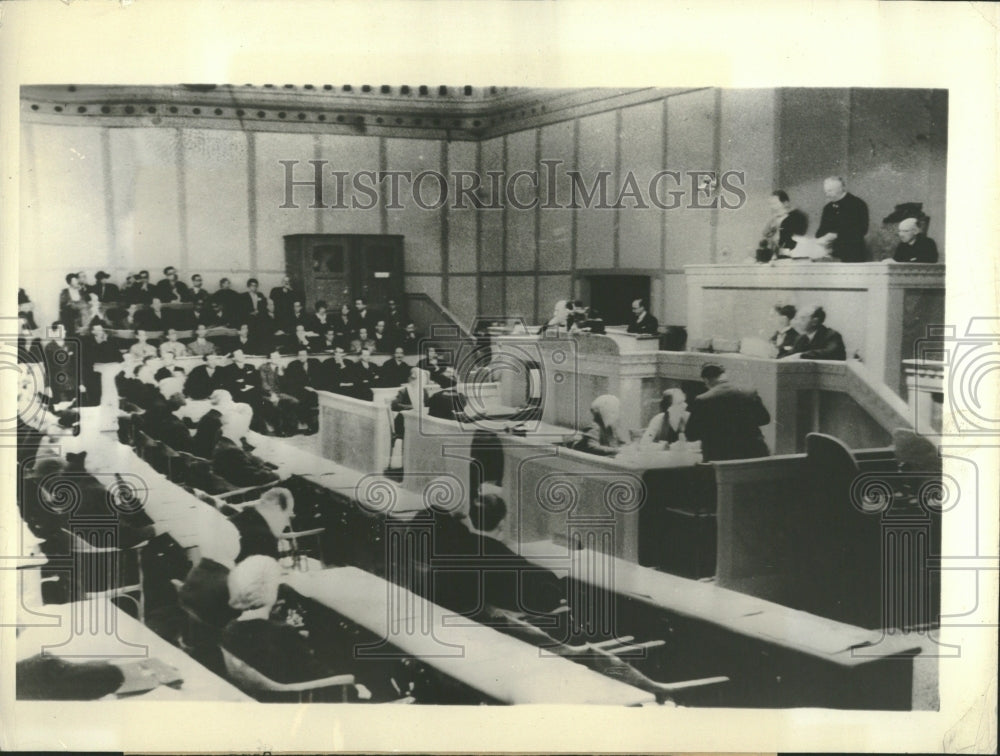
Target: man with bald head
x,y
914,246
844,222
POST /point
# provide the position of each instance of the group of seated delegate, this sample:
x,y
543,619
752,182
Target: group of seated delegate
x,y
573,316
841,232
279,321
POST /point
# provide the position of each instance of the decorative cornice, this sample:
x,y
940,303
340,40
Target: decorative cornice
x,y
422,112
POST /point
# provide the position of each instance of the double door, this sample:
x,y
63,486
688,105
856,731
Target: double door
x,y
339,268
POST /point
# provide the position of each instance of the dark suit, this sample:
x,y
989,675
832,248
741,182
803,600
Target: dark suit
x,y
206,593
922,250
366,378
848,219
299,376
289,323
340,379
785,342
169,291
648,324
361,320
255,535
727,421
250,308
283,299
198,297
149,320
139,294
200,384
825,344
106,292
392,374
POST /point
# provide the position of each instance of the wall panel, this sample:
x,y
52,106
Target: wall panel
x,y
421,227
521,229
639,228
555,224
595,237
462,223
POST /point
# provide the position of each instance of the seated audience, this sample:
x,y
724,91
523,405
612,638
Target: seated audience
x,y
410,340
251,302
106,292
71,301
169,289
227,299
319,321
642,321
365,376
172,346
299,339
727,420
173,386
141,348
914,245
384,340
604,436
361,317
361,342
277,408
785,337
297,317
221,316
262,522
277,650
243,380
300,376
160,423
140,293
343,326
816,341
196,294
204,379
201,345
394,372
205,591
338,374
283,296
328,342
432,363
668,426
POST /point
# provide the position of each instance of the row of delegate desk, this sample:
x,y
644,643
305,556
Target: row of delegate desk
x,y
603,521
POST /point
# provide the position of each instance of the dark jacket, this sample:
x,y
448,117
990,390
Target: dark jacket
x,y
727,421
922,250
275,650
392,374
785,342
848,218
649,324
826,344
255,535
297,377
200,385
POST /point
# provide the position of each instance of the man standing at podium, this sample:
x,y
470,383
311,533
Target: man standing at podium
x,y
844,222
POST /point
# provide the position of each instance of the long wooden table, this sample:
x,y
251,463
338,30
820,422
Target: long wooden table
x,y
504,668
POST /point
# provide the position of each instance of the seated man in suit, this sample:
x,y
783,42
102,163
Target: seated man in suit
x,y
228,299
410,340
384,341
319,321
328,342
361,342
338,374
300,339
914,244
283,296
365,376
277,408
243,380
160,423
106,292
204,379
394,372
201,345
196,295
261,523
169,289
301,375
642,321
297,317
727,420
816,341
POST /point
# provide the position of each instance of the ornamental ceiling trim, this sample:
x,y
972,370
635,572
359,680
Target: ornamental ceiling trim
x,y
450,113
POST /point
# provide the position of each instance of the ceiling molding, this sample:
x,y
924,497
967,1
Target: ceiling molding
x,y
450,113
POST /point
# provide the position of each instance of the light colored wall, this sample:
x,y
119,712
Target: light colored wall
x,y
205,200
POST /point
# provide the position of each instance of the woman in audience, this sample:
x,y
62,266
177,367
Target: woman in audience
x,y
605,435
666,427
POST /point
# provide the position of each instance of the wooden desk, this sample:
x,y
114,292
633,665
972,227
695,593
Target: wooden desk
x,y
498,665
354,432
118,638
776,656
